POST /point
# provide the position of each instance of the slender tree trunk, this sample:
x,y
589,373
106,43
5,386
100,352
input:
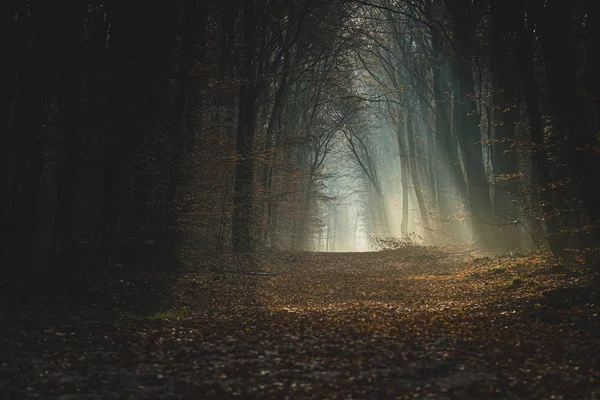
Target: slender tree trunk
x,y
9,139
114,173
412,161
72,138
149,227
404,177
590,120
504,115
242,189
450,178
449,175
467,123
188,118
433,184
35,77
270,147
303,226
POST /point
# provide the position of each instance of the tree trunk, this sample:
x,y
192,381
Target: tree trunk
x,y
72,137
242,188
540,162
590,121
35,77
114,172
188,118
270,148
412,158
568,107
467,123
404,177
449,175
504,115
8,140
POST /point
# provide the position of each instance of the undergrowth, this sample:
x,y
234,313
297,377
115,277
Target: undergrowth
x,y
394,243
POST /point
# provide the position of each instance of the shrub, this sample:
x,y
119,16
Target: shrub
x,y
393,243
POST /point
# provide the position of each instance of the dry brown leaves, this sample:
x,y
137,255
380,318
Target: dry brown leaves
x,y
418,323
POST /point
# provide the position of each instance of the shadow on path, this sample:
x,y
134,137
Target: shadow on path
x,y
419,323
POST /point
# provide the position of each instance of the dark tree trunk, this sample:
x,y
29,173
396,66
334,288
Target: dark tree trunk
x,y
416,178
555,23
590,121
404,178
115,174
242,187
504,115
270,149
37,68
187,120
467,123
9,81
540,162
69,167
448,169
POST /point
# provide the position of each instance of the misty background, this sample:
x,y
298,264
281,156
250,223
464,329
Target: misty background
x,y
151,135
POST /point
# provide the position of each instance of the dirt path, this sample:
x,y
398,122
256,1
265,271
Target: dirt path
x,y
418,323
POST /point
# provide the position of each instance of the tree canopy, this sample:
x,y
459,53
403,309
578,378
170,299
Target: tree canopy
x,y
147,135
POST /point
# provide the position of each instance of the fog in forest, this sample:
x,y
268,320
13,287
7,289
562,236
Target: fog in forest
x,y
300,199
387,172
304,125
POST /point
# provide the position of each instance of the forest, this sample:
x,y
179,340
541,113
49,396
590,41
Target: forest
x,y
155,133
179,169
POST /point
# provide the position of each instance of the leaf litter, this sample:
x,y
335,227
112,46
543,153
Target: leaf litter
x,y
438,323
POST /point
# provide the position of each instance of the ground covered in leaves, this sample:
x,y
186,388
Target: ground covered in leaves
x,y
409,323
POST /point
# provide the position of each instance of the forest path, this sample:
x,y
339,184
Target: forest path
x,y
410,323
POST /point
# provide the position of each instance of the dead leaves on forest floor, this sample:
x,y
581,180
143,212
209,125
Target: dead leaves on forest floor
x,y
413,323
